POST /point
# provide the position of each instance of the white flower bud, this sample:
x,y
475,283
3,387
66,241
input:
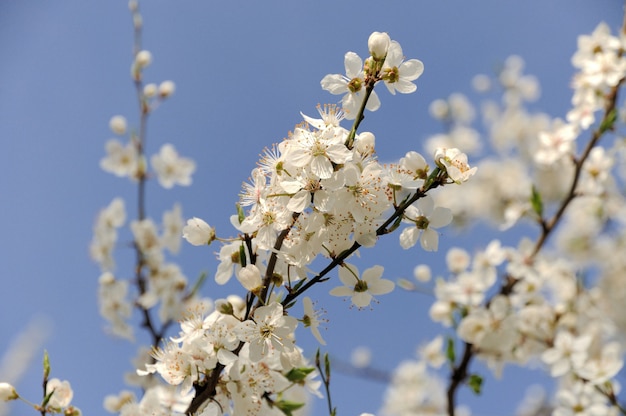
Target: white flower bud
x,y
7,392
422,273
150,90
143,58
133,5
117,124
106,278
365,143
378,43
166,89
250,278
198,232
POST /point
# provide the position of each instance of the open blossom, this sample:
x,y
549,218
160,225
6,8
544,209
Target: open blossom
x,y
172,169
318,152
270,329
121,160
352,85
312,319
424,217
361,290
62,395
397,73
455,163
568,353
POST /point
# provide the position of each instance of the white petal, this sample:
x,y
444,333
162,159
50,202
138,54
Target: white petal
x,y
335,84
440,217
353,65
411,69
430,240
408,237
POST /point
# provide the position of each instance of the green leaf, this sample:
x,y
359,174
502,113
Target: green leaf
x,y
536,202
242,256
196,287
327,366
298,374
46,365
240,214
475,383
395,224
609,121
450,354
287,406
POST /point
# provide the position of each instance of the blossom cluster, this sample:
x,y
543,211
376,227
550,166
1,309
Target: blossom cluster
x,y
530,304
321,192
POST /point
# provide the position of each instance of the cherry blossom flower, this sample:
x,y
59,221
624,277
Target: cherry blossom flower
x,y
311,319
455,163
361,290
425,218
352,86
61,391
121,160
270,329
397,73
172,229
568,353
172,169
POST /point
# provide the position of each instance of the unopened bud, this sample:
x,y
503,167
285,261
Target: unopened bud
x,y
378,44
7,392
117,124
166,89
143,58
365,143
250,278
150,90
198,232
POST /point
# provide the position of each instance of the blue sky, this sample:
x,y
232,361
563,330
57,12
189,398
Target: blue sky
x,y
244,71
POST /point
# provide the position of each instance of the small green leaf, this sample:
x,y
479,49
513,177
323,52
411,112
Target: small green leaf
x,y
450,354
242,256
395,225
240,214
609,121
536,202
327,367
475,383
46,365
196,287
287,406
298,374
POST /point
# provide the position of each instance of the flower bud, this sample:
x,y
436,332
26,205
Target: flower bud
x,y
378,43
250,278
198,232
143,58
365,143
166,89
150,90
7,392
117,124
